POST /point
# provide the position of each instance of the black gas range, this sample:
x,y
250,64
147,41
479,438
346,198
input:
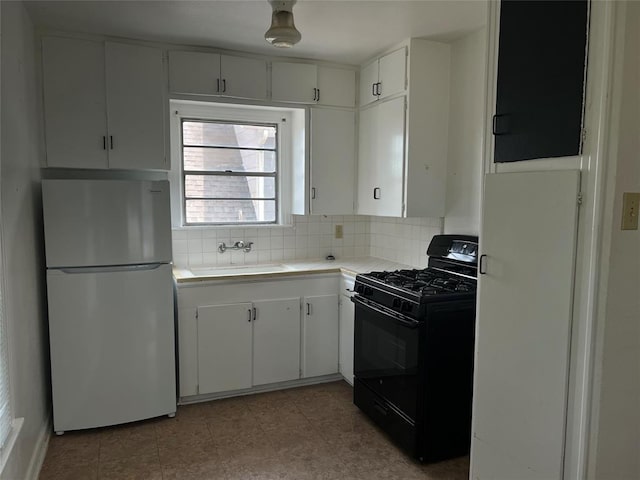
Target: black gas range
x,y
413,349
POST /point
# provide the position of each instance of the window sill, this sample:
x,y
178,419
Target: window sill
x,y
5,452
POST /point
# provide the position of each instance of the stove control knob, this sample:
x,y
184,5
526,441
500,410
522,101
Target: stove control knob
x,y
406,307
368,291
359,289
396,303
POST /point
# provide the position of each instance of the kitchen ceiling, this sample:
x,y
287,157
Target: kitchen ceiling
x,y
349,31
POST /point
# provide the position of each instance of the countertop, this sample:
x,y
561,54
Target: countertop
x,y
348,266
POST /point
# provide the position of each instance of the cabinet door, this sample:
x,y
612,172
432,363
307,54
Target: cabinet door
x,y
243,77
389,165
367,154
293,82
332,161
320,335
524,324
393,73
224,347
368,77
135,107
347,313
540,83
336,87
194,73
276,341
75,112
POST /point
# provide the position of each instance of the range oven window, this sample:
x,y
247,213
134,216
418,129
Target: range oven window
x,y
386,356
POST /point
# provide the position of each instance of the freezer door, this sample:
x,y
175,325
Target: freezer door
x,y
106,222
112,345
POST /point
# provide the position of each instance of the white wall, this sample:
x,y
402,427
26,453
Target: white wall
x,y
466,117
617,391
23,239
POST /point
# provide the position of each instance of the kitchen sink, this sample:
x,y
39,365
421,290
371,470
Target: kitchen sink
x,y
229,270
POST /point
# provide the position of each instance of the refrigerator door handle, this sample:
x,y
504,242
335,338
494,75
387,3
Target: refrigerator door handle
x,y
113,268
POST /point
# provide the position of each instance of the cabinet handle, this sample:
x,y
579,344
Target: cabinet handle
x,y
111,141
315,94
481,264
495,129
104,142
218,85
308,309
224,85
255,314
373,89
313,193
318,99
249,318
376,193
378,89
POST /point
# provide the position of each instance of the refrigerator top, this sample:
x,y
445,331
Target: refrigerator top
x,y
93,223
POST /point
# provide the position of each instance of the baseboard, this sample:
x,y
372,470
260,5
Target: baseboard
x,y
261,389
40,452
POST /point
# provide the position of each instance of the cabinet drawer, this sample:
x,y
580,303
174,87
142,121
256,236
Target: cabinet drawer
x,y
402,431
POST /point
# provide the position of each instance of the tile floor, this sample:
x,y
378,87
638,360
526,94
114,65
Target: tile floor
x,y
303,433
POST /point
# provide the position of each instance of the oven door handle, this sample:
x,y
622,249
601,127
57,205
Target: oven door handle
x,y
396,317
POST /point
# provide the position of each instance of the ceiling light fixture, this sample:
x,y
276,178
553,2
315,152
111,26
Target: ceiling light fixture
x,y
283,32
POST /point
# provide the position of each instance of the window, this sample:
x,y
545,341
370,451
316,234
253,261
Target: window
x,y
229,172
234,164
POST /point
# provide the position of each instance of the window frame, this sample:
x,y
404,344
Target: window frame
x,y
221,173
283,118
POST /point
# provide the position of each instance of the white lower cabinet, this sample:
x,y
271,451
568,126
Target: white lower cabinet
x,y
320,335
246,344
227,343
224,347
276,341
347,317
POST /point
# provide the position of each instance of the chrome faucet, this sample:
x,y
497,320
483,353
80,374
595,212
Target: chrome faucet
x,y
239,245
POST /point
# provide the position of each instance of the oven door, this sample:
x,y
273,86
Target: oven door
x,y
386,357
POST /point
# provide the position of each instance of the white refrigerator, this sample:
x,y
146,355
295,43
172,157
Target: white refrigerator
x,y
110,300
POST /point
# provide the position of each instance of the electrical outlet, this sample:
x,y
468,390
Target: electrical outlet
x,y
630,210
338,231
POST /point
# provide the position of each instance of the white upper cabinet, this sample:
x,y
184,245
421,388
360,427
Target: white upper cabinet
x,y
332,161
403,140
85,83
194,73
307,83
384,77
198,73
75,109
243,77
294,82
336,87
368,83
392,73
381,161
135,110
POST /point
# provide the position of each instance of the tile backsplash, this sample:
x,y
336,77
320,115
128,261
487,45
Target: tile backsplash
x,y
402,240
